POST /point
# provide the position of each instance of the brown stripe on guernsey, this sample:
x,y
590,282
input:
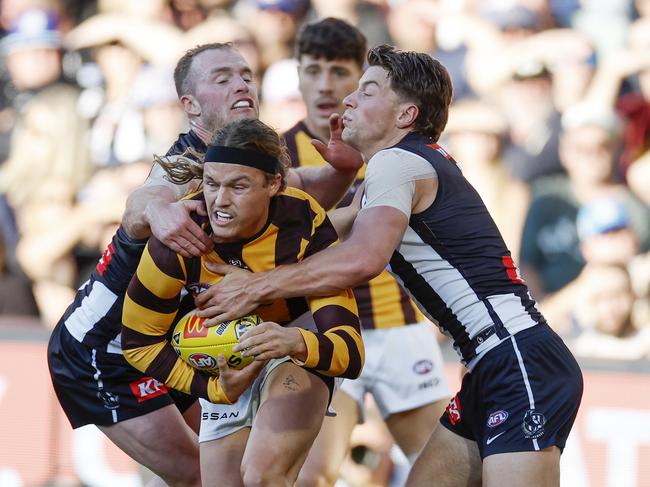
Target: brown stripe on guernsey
x,y
354,357
366,316
134,339
163,363
141,295
199,384
164,258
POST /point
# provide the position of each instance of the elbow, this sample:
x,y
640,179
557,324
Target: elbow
x,y
367,266
352,373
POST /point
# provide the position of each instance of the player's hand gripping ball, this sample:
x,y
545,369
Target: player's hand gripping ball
x,y
200,346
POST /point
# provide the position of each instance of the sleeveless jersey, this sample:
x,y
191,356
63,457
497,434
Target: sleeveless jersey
x,y
382,302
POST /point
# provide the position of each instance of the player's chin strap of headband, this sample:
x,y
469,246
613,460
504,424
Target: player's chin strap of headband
x,y
243,157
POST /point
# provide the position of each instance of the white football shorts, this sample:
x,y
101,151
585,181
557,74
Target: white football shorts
x,y
404,369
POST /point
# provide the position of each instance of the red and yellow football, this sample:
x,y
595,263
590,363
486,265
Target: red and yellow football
x,y
200,346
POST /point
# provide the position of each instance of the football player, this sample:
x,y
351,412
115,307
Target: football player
x,y
92,380
510,421
258,223
404,369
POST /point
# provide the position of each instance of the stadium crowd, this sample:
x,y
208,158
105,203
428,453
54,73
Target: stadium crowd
x,y
550,120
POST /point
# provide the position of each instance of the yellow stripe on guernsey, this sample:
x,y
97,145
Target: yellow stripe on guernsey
x,y
382,303
150,322
149,275
298,226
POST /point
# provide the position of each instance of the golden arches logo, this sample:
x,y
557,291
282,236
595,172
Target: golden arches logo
x,y
194,328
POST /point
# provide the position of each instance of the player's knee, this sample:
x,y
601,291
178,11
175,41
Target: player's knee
x,y
257,477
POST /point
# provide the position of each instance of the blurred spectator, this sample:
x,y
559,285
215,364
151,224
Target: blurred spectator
x,y
48,139
367,16
369,462
282,105
187,13
430,26
604,22
16,297
475,136
605,322
121,45
606,233
606,238
638,177
221,28
534,121
628,68
550,256
515,21
274,24
154,95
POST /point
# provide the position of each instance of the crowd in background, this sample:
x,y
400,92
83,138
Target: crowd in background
x,y
550,123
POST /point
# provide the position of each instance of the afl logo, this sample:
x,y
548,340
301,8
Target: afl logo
x,y
202,361
496,418
422,367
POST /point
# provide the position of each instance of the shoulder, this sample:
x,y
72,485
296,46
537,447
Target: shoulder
x,y
294,204
294,197
397,163
163,259
185,141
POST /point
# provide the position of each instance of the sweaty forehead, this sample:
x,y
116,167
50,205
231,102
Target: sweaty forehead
x,y
218,59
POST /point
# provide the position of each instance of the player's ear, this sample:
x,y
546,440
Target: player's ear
x,y
275,184
407,115
191,105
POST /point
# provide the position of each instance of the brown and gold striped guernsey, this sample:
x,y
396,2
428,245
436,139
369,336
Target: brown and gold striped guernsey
x,y
297,228
382,302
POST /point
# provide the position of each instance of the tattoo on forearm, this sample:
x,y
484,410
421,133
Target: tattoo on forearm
x,y
290,383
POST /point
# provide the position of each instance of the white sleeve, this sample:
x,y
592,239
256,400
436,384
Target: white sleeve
x,y
390,179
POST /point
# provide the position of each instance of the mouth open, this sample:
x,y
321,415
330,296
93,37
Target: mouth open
x,y
222,217
327,108
243,104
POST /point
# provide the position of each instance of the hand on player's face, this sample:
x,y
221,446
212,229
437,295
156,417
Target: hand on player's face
x,y
233,381
269,340
226,300
337,153
171,224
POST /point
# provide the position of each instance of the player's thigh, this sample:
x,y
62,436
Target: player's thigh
x,y
447,460
413,428
538,468
292,407
221,460
161,441
331,445
192,416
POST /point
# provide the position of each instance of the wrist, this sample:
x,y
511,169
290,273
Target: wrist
x,y
258,288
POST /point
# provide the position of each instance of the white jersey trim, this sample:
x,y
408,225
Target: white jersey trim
x,y
93,308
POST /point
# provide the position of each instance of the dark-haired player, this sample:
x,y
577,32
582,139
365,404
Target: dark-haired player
x,y
519,399
404,370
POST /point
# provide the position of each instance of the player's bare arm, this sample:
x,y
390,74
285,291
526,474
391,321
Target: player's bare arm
x,y
343,218
154,209
328,184
375,235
